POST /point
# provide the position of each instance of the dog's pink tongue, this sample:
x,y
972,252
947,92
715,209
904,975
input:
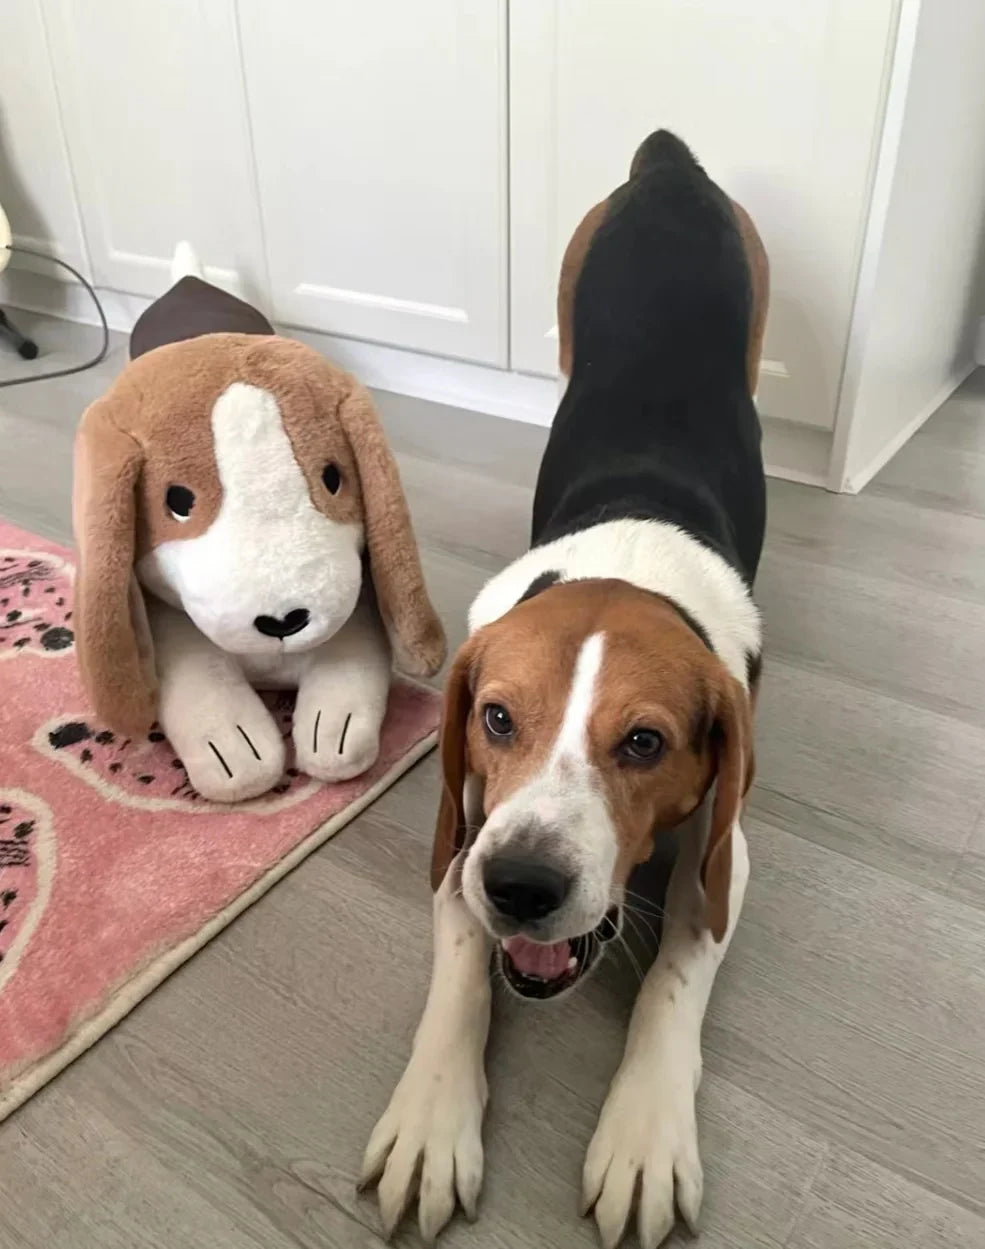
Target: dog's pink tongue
x,y
546,962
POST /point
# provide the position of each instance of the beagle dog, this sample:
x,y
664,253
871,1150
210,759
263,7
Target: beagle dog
x,y
241,526
606,688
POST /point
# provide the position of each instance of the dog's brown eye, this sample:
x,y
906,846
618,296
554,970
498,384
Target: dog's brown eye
x,y
497,720
642,746
332,478
179,501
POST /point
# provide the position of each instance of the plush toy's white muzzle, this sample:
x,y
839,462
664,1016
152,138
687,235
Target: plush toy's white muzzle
x,y
271,573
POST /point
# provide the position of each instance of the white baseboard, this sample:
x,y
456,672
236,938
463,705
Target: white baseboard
x,y
854,482
34,291
791,451
497,392
795,452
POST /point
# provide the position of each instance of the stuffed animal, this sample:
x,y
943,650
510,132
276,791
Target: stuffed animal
x,y
241,525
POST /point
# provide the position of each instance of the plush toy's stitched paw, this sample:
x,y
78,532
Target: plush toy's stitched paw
x,y
234,761
336,743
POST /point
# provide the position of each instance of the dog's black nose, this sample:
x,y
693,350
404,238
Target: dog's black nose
x,y
524,889
282,626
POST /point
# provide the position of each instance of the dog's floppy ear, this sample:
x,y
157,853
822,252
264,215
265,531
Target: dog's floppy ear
x,y
450,829
113,640
413,627
732,734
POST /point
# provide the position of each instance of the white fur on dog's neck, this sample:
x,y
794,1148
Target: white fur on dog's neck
x,y
653,555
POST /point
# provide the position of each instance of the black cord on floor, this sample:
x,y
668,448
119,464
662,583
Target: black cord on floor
x,y
78,368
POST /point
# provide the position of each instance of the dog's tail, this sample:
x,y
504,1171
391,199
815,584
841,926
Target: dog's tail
x,y
185,263
662,148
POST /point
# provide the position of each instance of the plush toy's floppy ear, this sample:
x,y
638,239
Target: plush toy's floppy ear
x,y
412,624
733,728
112,635
450,829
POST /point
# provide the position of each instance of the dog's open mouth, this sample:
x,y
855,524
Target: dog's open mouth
x,y
536,970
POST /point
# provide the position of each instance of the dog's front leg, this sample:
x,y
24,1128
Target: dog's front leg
x,y
647,1134
431,1133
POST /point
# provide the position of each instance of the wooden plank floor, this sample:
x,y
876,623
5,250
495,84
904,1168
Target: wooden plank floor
x,y
843,1104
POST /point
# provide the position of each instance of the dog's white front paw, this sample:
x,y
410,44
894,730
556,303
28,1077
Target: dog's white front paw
x,y
429,1142
335,742
646,1141
232,758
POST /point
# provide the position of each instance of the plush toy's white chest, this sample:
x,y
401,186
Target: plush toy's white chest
x,y
275,672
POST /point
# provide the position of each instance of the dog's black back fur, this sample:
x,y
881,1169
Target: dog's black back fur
x,y
657,421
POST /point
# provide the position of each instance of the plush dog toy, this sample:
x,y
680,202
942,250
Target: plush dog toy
x,y
241,525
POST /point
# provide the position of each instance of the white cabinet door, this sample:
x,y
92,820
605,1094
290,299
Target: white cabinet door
x,y
380,137
781,100
35,177
152,100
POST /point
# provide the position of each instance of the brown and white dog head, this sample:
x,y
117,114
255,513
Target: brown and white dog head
x,y
246,481
577,726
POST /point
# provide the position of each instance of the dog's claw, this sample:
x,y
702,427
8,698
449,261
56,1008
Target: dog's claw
x,y
427,1147
645,1144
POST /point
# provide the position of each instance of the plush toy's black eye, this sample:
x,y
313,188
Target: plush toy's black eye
x,y
332,478
498,721
180,501
642,746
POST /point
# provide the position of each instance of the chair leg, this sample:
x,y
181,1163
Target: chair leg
x,y
26,347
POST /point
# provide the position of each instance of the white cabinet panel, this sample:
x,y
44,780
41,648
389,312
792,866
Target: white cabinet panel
x,y
152,99
35,176
782,103
379,134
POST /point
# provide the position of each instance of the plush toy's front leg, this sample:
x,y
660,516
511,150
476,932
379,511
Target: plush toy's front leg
x,y
342,698
221,731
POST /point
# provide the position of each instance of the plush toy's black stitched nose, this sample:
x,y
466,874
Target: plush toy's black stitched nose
x,y
523,889
293,622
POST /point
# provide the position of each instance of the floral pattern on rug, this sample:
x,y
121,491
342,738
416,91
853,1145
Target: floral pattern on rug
x,y
35,603
27,848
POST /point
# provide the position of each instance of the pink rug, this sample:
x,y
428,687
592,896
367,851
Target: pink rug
x,y
113,871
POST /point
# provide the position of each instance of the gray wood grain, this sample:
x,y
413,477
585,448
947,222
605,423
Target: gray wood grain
x,y
893,783
853,1001
843,1104
967,881
909,642
878,535
856,1203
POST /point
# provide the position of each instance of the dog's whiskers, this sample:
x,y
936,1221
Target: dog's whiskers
x,y
641,929
649,920
641,902
633,961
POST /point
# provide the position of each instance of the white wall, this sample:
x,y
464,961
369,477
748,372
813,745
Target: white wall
x,y
36,186
782,102
346,201
152,105
920,292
